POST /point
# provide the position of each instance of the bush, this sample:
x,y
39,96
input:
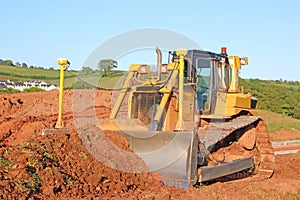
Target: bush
x,y
33,89
8,91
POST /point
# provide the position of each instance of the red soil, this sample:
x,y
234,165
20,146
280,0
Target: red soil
x,y
61,166
285,135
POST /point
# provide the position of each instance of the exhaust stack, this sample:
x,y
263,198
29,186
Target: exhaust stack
x,y
159,61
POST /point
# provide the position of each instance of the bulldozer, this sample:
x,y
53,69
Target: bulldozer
x,y
190,121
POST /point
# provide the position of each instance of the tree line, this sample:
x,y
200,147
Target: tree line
x,y
105,67
22,65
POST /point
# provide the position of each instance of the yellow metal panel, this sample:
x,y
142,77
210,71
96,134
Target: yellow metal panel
x,y
134,67
181,52
141,69
221,104
144,69
188,106
230,104
236,102
171,66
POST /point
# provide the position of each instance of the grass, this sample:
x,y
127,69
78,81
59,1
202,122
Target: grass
x,y
213,194
5,164
275,122
276,126
95,80
290,195
274,117
159,195
8,91
84,155
257,193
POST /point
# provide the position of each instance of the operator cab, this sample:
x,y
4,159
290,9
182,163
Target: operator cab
x,y
209,73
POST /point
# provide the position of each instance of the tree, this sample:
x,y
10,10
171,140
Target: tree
x,y
7,63
106,66
297,111
24,65
87,70
18,64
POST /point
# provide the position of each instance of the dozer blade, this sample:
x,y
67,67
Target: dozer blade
x,y
171,154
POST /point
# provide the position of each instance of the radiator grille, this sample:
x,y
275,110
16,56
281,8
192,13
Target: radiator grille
x,y
144,106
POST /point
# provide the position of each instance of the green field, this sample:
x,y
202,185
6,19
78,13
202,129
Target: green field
x,y
94,80
276,122
21,74
52,76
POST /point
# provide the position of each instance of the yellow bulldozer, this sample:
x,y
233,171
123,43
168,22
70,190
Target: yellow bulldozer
x,y
190,121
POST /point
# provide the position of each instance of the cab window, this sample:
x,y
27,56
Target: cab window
x,y
204,83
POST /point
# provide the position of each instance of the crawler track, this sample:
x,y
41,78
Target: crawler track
x,y
244,136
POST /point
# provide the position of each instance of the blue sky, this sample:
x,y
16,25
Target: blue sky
x,y
40,32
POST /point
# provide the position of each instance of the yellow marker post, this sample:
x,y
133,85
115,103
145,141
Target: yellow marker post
x,y
64,64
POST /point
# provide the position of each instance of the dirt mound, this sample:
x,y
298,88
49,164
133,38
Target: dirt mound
x,y
111,149
86,163
59,167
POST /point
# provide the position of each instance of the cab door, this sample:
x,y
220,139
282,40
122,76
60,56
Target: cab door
x,y
205,87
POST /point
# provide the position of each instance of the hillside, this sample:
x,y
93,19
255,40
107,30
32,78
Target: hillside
x,y
281,97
